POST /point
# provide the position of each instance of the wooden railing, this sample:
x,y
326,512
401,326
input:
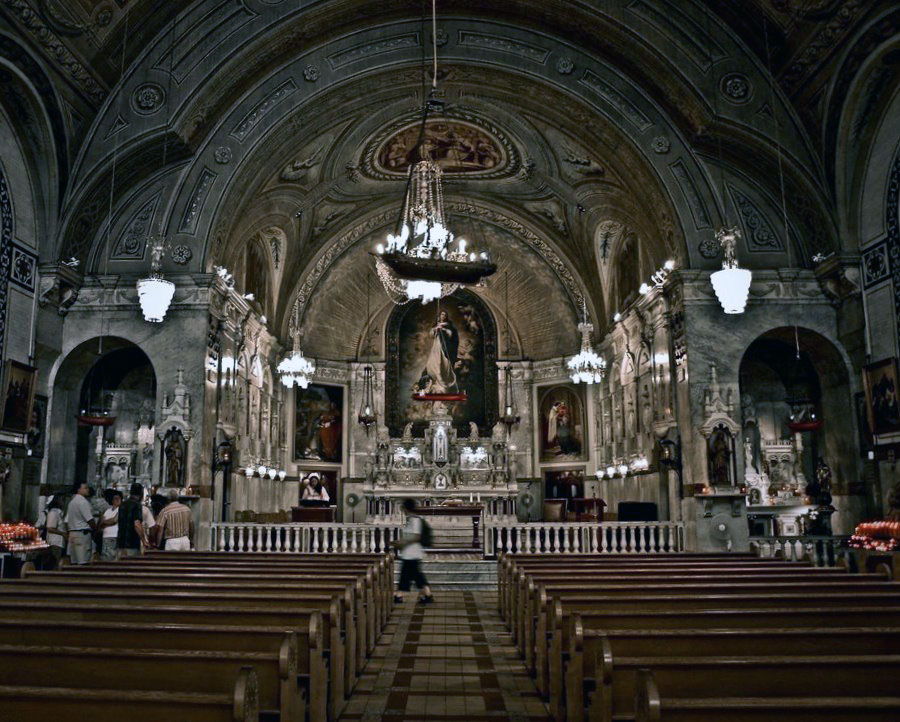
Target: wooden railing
x,y
824,551
663,537
307,538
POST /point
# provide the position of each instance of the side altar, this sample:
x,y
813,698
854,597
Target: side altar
x,y
441,469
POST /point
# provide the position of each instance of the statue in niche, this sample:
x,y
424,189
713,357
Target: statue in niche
x,y
407,432
719,454
749,456
440,445
473,431
174,448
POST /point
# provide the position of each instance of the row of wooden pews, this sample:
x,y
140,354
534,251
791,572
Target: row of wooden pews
x,y
697,638
192,635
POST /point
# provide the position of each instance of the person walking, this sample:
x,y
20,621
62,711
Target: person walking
x,y
131,534
81,524
109,526
412,551
176,525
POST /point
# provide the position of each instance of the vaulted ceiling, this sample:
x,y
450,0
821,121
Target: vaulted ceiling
x,y
609,137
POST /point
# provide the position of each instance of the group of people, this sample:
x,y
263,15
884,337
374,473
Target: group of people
x,y
112,528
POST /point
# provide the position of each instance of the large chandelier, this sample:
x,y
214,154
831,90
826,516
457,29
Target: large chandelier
x,y
295,369
732,283
586,366
420,261
154,292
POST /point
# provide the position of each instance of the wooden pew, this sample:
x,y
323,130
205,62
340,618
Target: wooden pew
x,y
307,623
550,633
382,564
76,704
177,671
650,706
592,654
375,622
354,623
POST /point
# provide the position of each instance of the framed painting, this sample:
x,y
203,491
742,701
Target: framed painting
x,y
563,426
37,430
444,347
328,477
881,396
319,423
19,381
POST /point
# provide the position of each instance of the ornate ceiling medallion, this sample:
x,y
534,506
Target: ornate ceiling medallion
x,y
459,143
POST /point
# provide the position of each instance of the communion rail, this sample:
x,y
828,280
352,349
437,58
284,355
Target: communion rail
x,y
823,551
637,537
306,538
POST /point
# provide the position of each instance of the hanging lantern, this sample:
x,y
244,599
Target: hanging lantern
x,y
154,292
510,417
367,415
732,283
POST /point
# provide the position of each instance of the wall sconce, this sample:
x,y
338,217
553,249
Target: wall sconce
x,y
282,474
248,472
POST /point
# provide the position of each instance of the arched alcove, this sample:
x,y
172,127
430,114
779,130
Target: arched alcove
x,y
113,377
812,386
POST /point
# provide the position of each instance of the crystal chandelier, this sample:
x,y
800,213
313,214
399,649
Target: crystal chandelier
x,y
420,261
732,283
586,366
296,369
154,292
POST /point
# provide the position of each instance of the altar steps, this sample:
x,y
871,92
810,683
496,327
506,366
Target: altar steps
x,y
444,572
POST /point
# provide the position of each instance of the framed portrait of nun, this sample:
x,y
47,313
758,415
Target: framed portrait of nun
x,y
562,425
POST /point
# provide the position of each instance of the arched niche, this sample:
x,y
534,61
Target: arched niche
x,y
771,376
114,374
409,343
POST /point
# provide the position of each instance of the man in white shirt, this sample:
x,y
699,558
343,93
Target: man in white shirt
x,y
411,552
80,522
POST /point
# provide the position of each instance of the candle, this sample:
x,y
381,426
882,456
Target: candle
x,y
479,497
470,497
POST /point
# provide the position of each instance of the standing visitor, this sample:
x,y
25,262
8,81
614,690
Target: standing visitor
x,y
412,550
81,524
57,533
109,526
131,534
176,525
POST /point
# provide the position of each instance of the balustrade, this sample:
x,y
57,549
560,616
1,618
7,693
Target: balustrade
x,y
306,538
663,537
823,551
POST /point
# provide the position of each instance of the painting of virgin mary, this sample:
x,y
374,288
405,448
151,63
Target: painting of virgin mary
x,y
444,347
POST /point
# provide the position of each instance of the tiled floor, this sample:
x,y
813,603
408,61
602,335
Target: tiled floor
x,y
451,660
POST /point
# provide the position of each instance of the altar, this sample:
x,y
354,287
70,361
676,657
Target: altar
x,y
441,470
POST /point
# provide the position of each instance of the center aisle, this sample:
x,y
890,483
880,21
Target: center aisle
x,y
451,660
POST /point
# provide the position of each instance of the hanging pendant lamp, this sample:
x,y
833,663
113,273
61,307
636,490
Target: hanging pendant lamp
x,y
732,283
154,292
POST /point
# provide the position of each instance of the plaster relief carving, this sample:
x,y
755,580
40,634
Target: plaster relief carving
x,y
297,170
252,119
616,99
503,45
581,161
198,199
133,239
757,229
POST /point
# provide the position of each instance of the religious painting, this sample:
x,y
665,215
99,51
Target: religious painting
x,y
37,430
881,396
564,483
456,146
318,423
443,347
563,426
18,396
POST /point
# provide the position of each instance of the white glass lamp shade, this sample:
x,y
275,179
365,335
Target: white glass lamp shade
x,y
610,471
623,469
261,470
282,474
273,472
155,295
732,286
249,471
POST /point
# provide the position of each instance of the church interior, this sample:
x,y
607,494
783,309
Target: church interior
x,y
581,315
